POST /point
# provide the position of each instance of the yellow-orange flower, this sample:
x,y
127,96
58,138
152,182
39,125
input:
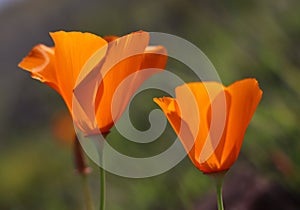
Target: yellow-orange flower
x,y
211,120
59,66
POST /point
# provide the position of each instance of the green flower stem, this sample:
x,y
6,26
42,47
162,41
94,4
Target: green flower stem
x,y
219,184
218,179
102,188
102,177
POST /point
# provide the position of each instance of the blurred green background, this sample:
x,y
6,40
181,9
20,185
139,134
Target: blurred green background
x,y
258,39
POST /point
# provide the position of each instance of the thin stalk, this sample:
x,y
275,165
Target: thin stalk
x,y
102,188
102,177
218,179
219,184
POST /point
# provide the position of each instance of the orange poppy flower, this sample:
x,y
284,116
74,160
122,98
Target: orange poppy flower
x,y
211,120
60,66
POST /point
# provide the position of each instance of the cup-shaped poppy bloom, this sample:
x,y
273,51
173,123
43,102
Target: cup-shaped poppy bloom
x,y
61,65
211,120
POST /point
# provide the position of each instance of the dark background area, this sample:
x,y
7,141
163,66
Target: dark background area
x,y
258,39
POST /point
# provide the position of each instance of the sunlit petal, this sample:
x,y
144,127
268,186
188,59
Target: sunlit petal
x,y
72,50
40,62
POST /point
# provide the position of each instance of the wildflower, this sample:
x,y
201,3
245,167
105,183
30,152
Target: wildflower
x,y
60,66
211,120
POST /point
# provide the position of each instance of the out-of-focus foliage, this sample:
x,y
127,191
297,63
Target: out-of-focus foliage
x,y
258,39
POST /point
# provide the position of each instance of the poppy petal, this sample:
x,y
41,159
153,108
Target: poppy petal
x,y
72,50
217,118
245,96
41,64
202,95
170,108
154,60
110,38
172,111
124,57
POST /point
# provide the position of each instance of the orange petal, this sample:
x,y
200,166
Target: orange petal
x,y
154,60
40,62
195,99
217,117
172,111
124,57
242,99
72,50
110,38
170,108
245,96
121,77
155,57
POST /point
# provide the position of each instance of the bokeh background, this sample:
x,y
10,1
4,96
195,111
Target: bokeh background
x,y
258,39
